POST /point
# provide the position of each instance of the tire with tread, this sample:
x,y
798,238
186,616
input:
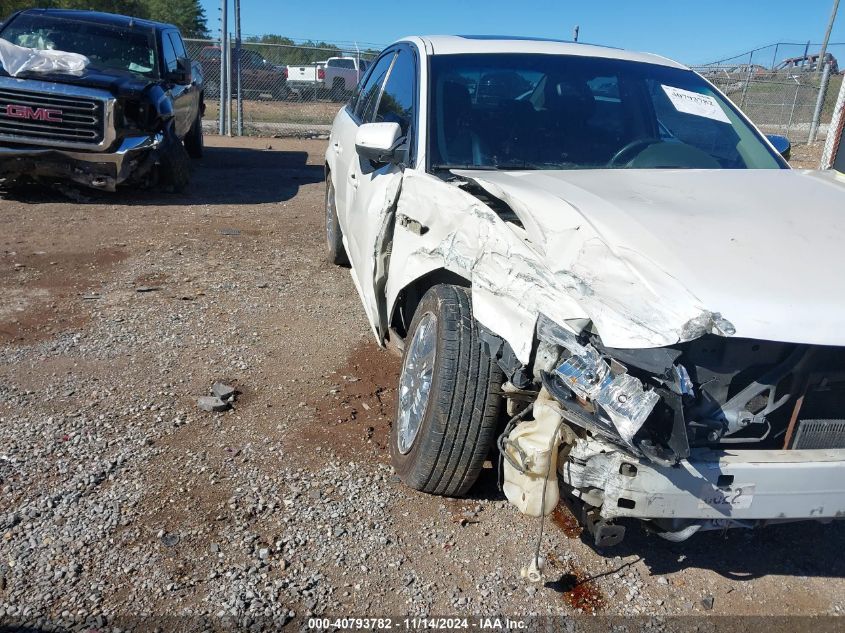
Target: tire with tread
x,y
193,140
174,165
336,252
461,418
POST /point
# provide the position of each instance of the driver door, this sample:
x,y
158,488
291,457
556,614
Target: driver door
x,y
372,189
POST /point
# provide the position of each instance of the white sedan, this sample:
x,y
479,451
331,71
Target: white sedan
x,y
603,277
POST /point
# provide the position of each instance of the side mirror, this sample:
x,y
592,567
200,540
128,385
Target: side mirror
x,y
379,142
781,144
183,72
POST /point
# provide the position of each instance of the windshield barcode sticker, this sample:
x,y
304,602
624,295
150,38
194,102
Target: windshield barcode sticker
x,y
696,104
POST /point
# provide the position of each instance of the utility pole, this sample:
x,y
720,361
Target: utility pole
x,y
575,33
238,67
221,96
822,61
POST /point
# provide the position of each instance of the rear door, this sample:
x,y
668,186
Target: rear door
x,y
374,189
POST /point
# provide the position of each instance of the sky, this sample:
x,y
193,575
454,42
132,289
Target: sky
x,y
689,31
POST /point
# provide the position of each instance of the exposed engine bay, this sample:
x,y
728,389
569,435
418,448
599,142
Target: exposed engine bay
x,y
663,406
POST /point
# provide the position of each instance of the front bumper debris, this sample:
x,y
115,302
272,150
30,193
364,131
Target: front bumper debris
x,y
713,488
99,170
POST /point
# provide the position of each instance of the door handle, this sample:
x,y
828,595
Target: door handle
x,y
353,180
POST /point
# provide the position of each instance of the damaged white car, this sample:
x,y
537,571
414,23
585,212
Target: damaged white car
x,y
598,267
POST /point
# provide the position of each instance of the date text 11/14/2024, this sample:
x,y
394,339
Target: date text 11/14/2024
x,y
417,623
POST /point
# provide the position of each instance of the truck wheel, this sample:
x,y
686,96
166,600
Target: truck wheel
x,y
338,88
448,402
193,139
174,165
334,234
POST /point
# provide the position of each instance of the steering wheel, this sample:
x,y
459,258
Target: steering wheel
x,y
639,145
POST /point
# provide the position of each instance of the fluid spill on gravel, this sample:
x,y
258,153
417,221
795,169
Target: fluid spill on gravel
x,y
574,585
566,521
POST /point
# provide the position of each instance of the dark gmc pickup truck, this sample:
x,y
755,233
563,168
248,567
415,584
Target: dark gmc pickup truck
x,y
133,115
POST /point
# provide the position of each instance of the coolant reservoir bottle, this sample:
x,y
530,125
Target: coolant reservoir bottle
x,y
534,446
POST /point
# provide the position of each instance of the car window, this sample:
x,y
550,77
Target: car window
x,y
397,99
106,46
178,46
370,91
251,59
169,54
533,111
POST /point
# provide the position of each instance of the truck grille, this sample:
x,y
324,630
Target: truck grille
x,y
820,434
39,116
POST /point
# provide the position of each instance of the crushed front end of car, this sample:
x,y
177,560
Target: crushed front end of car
x,y
93,130
712,433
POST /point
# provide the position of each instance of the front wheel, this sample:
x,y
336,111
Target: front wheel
x,y
194,143
334,235
449,397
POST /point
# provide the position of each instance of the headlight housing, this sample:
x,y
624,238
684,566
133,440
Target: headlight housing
x,y
621,399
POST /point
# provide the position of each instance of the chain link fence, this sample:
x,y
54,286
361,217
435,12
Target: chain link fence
x,y
286,90
783,88
296,90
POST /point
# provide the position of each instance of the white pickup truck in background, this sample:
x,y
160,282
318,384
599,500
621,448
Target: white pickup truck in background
x,y
307,80
336,77
342,75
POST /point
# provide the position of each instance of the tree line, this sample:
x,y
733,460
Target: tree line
x,y
188,15
286,52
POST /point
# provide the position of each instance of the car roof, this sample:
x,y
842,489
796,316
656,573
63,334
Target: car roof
x,y
99,17
457,44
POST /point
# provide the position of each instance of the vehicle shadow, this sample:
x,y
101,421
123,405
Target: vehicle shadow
x,y
224,176
794,549
790,549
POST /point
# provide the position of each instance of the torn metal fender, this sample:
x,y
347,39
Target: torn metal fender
x,y
447,228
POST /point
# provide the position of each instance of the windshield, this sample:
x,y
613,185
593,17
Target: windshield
x,y
531,111
108,47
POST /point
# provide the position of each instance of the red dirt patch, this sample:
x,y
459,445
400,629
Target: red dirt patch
x,y
356,410
45,291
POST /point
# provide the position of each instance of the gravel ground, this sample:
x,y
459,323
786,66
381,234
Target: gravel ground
x,y
122,505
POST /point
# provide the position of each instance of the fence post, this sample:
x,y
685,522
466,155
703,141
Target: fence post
x,y
747,80
817,115
228,84
238,67
835,131
221,89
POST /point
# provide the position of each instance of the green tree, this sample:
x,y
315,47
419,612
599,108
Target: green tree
x,y
188,15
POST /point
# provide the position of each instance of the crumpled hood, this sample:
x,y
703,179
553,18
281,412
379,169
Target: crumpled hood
x,y
661,256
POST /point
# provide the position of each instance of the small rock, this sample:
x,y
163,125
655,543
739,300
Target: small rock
x,y
663,580
147,288
211,403
707,602
170,539
224,392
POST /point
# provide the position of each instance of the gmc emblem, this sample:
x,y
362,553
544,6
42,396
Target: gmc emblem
x,y
16,111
